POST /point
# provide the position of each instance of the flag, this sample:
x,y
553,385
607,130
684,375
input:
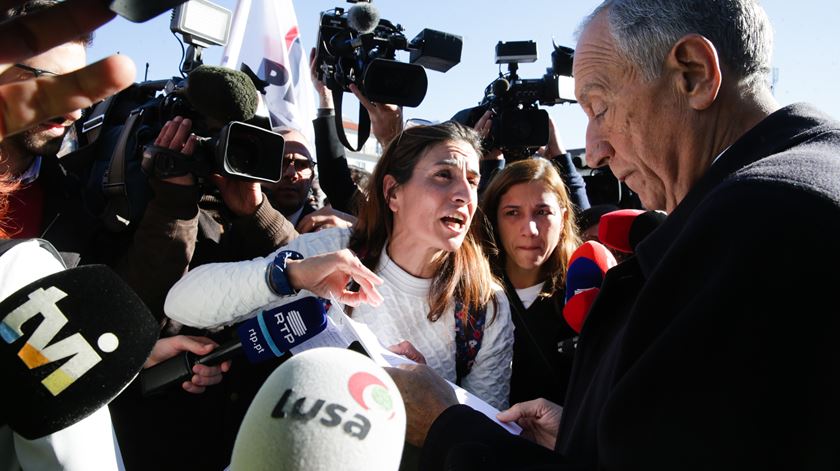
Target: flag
x,y
264,35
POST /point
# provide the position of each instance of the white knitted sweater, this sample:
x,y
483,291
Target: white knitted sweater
x,y
225,293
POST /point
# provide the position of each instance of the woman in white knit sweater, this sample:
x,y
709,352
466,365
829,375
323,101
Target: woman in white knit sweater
x,y
413,255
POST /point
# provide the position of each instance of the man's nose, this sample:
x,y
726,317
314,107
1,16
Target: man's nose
x,y
598,150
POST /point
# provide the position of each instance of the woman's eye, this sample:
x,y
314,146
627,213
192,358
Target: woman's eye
x,y
511,212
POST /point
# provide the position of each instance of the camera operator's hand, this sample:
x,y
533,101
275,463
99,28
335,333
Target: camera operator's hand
x,y
328,275
325,99
175,135
385,119
26,103
240,196
483,127
324,218
555,145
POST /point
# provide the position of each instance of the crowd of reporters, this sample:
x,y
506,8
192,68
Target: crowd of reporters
x,y
459,259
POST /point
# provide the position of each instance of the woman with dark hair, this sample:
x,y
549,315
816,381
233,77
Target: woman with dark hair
x,y
425,286
533,235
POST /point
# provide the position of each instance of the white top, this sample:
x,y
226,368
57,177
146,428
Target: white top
x,y
87,445
225,293
529,295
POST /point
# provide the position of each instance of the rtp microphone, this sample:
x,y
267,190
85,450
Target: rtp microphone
x,y
326,408
622,230
71,342
221,93
363,17
268,335
587,267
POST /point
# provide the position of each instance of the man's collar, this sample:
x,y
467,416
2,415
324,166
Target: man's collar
x,y
31,173
782,129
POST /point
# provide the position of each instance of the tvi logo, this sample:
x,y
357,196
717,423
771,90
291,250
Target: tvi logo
x,y
37,351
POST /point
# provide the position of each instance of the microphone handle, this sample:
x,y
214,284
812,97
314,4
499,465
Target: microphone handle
x,y
225,352
179,368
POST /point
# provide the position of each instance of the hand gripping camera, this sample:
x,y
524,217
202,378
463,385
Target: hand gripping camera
x,y
519,126
357,47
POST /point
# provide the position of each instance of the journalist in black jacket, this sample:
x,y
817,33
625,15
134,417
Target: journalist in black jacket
x,y
715,346
530,236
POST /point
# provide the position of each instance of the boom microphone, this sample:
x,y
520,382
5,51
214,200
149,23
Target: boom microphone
x,y
71,342
622,230
326,408
587,267
363,17
268,335
222,94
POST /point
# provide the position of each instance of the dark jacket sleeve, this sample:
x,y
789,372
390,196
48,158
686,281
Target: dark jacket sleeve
x,y
333,172
460,433
573,180
163,244
257,235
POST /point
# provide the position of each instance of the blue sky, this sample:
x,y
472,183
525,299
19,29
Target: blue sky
x,y
807,51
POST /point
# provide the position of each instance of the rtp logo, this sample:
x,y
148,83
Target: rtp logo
x,y
40,349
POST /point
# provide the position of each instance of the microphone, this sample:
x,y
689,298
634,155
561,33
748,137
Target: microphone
x,y
326,408
268,335
363,17
587,267
71,342
622,230
222,94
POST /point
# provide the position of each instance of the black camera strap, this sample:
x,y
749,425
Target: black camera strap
x,y
364,123
116,216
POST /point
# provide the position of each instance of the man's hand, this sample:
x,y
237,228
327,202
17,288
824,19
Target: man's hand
x,y
324,218
425,395
325,99
483,127
555,145
328,275
26,103
175,135
539,419
204,376
240,196
385,119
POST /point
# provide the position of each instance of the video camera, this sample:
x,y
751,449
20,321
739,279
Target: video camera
x,y
519,126
116,155
357,47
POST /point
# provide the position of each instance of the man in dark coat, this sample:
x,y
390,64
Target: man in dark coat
x,y
714,347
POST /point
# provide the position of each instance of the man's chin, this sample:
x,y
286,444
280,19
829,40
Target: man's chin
x,y
44,143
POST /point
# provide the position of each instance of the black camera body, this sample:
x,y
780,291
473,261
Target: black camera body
x,y
519,126
116,156
356,46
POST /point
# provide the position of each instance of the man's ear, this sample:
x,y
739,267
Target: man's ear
x,y
389,189
697,68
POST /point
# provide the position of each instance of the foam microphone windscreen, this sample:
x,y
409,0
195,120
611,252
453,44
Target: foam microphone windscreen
x,y
363,18
221,93
622,230
587,267
71,342
325,408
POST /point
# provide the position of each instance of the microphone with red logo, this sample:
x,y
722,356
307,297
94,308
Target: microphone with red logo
x,y
587,267
268,335
71,342
622,230
325,408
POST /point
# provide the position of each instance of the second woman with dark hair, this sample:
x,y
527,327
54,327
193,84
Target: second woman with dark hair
x,y
532,236
413,243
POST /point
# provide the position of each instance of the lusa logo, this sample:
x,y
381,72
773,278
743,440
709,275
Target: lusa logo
x,y
357,426
38,350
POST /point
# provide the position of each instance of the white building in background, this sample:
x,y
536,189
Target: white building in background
x,y
369,154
